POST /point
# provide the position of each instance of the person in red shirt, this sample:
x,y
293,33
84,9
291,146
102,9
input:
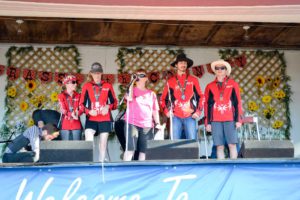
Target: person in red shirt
x,y
97,101
183,97
69,107
223,109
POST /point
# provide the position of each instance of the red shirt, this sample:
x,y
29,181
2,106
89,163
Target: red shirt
x,y
186,97
68,104
223,103
95,96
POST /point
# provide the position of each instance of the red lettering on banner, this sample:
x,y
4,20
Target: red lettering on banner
x,y
45,77
2,69
153,77
58,77
109,78
29,74
124,78
198,71
13,73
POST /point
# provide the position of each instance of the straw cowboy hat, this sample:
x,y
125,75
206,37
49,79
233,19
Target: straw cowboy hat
x,y
182,57
221,63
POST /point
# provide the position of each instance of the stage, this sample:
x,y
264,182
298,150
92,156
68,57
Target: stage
x,y
160,179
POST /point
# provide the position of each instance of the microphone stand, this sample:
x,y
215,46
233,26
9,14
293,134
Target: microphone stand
x,y
127,107
171,110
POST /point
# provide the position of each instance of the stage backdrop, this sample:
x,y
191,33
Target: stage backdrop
x,y
222,180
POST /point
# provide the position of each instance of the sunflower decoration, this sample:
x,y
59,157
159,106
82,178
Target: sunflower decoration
x,y
277,124
269,112
280,94
276,83
31,85
11,92
54,96
260,81
241,90
30,122
23,106
252,106
266,99
38,101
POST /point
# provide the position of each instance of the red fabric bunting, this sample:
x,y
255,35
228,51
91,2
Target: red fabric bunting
x,y
109,78
153,77
80,78
198,71
124,79
208,67
29,74
2,69
13,73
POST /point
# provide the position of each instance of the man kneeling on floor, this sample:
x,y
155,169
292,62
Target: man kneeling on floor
x,y
32,136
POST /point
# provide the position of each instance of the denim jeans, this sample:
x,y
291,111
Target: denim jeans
x,y
184,128
70,134
22,157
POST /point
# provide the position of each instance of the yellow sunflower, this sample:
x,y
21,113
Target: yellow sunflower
x,y
269,112
276,84
241,90
280,94
252,106
23,106
11,92
277,124
260,81
266,99
30,122
54,96
31,85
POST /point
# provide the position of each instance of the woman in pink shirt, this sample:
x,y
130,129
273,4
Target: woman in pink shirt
x,y
142,115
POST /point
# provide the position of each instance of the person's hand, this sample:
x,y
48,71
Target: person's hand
x,y
160,127
168,114
74,115
238,124
104,110
195,116
208,128
93,113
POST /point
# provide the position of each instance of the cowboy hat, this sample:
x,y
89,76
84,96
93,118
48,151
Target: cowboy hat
x,y
220,63
182,57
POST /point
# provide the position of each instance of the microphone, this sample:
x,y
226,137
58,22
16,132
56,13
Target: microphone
x,y
134,76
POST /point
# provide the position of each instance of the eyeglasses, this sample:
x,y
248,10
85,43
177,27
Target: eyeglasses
x,y
72,82
220,68
141,75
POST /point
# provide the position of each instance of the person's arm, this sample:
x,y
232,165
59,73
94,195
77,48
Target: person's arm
x,y
237,104
164,100
83,100
64,107
34,139
155,110
199,97
113,101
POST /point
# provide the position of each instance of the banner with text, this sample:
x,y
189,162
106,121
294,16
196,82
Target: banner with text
x,y
166,181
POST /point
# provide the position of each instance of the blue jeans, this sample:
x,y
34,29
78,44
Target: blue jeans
x,y
70,134
185,126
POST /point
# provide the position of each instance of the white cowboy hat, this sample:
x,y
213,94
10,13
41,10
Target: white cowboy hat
x,y
220,63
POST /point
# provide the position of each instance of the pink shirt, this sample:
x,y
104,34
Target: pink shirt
x,y
141,107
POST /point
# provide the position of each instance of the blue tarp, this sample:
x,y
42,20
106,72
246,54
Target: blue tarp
x,y
195,180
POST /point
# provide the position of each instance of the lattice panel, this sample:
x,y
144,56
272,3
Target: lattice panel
x,y
258,65
150,60
39,59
